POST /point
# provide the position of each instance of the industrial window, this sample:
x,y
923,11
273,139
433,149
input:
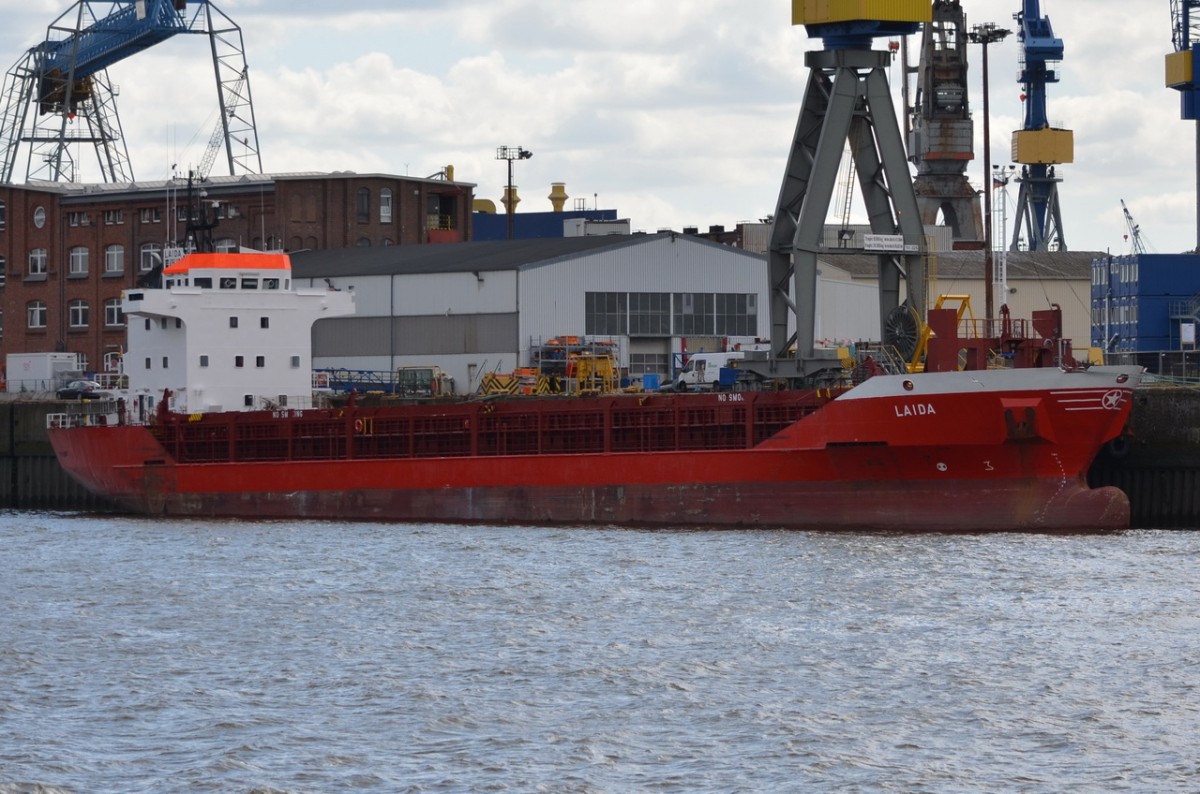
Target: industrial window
x,y
648,363
3,215
248,400
737,315
114,217
204,282
114,260
35,312
113,316
295,362
164,362
649,314
694,314
260,361
3,272
203,361
264,322
147,362
226,245
364,205
79,261
385,205
605,313
151,256
249,283
270,283
77,311
151,215
147,324
233,322
37,262
239,361
228,283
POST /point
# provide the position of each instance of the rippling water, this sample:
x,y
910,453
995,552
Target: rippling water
x,y
160,656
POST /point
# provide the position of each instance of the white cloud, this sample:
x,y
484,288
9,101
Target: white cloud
x,y
675,114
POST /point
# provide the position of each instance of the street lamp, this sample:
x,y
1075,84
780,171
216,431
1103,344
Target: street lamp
x,y
511,153
1000,180
986,34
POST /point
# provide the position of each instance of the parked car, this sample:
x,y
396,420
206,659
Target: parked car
x,y
82,390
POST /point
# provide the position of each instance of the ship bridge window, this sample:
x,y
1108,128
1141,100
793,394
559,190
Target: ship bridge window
x,y
204,282
249,283
228,283
270,283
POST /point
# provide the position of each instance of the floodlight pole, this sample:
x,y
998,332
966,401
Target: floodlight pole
x,y
511,153
986,34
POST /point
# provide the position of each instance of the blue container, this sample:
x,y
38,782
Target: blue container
x,y
650,381
726,378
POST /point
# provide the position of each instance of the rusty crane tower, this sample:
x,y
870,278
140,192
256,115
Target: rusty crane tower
x,y
940,129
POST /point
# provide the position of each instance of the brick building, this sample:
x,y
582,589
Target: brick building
x,y
68,250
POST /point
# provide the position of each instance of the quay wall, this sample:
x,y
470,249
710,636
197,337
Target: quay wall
x,y
1157,459
30,477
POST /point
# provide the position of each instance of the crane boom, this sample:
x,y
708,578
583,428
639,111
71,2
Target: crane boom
x,y
1136,244
127,28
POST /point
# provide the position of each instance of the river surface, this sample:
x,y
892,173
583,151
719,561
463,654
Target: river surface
x,y
145,655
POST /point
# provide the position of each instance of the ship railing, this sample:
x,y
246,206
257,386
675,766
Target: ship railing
x,y
889,358
94,413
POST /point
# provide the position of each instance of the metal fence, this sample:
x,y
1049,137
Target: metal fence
x,y
1175,365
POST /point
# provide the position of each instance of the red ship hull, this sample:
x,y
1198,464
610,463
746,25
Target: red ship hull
x,y
995,450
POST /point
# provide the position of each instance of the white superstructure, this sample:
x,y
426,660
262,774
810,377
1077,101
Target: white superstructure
x,y
225,332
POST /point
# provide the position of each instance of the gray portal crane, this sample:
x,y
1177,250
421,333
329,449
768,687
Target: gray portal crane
x,y
59,95
847,99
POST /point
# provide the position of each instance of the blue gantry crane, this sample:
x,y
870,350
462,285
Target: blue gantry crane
x,y
1037,146
1182,74
59,95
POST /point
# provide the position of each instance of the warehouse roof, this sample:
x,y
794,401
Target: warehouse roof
x,y
470,257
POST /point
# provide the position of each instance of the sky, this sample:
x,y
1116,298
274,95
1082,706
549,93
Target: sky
x,y
674,114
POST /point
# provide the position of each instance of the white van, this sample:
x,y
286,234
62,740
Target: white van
x,y
703,370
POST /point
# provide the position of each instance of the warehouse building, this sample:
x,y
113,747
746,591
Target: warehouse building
x,y
479,307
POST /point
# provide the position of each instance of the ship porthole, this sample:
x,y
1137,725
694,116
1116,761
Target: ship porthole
x,y
908,385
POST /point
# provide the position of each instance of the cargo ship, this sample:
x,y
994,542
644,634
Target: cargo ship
x,y
993,449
